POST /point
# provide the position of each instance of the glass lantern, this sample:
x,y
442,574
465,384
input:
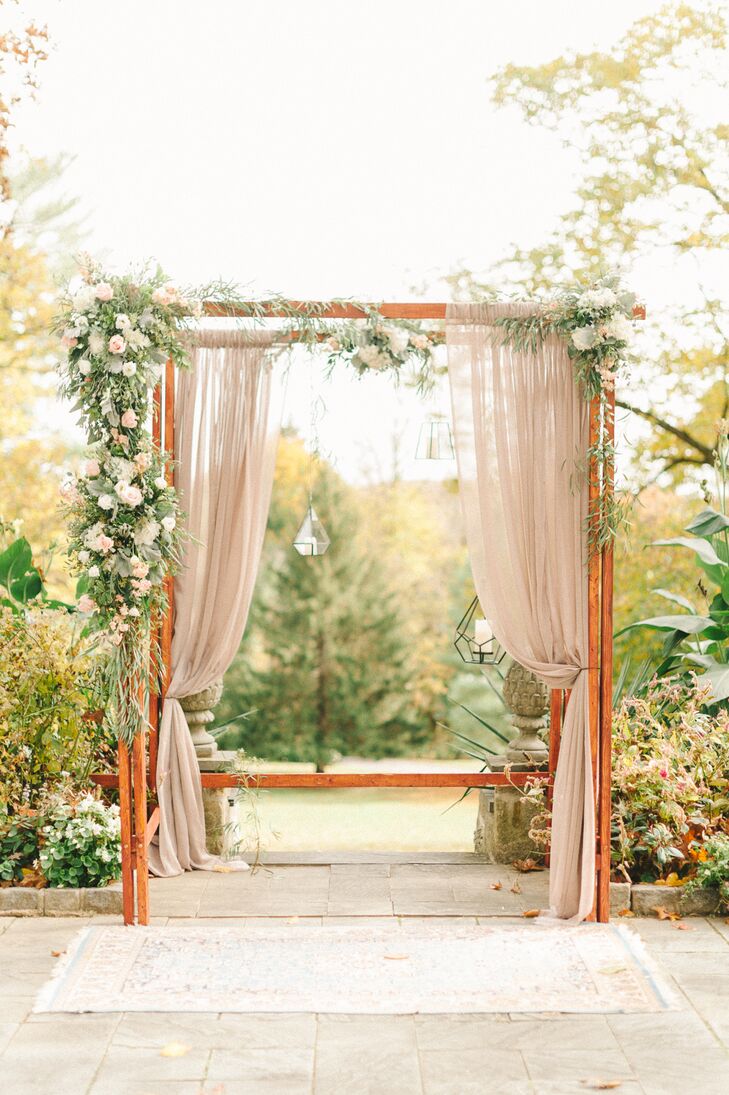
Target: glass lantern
x,y
435,440
475,640
311,539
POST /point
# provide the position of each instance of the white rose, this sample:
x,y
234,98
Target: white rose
x,y
128,368
84,299
115,365
137,339
160,482
122,321
106,501
584,337
168,523
597,298
84,366
131,496
398,338
619,327
94,572
96,343
84,556
146,533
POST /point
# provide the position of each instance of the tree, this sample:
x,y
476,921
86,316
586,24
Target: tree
x,y
654,183
327,669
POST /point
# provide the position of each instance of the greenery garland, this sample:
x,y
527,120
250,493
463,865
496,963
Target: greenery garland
x,y
597,324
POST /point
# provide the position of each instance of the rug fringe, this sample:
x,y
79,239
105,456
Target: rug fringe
x,y
655,974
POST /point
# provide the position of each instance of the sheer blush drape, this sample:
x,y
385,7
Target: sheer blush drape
x,y
521,426
226,431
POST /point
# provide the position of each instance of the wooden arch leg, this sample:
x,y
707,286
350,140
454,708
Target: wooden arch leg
x,y
125,810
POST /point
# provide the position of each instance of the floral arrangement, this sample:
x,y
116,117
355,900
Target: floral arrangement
x,y
597,324
81,844
385,346
123,512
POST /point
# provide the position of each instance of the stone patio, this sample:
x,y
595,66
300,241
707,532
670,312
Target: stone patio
x,y
682,1052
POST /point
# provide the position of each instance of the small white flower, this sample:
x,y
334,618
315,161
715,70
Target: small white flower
x,y
398,337
84,299
84,556
597,298
106,501
84,366
94,572
128,368
131,496
160,482
122,321
137,339
96,343
619,327
146,533
168,523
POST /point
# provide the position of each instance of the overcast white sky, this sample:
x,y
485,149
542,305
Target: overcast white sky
x,y
317,149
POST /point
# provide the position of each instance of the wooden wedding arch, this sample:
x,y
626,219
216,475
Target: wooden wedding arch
x,y
137,778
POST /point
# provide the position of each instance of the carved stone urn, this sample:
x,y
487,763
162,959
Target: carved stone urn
x,y
527,698
199,711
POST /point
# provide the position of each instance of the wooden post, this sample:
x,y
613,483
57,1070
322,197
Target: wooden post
x,y
604,798
139,769
593,612
125,809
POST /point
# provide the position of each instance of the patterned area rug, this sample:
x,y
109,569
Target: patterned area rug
x,y
393,969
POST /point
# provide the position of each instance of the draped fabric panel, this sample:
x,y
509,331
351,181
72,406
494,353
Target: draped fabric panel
x,y
226,433
521,429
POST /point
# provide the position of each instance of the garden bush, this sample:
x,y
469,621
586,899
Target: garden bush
x,y
81,844
670,785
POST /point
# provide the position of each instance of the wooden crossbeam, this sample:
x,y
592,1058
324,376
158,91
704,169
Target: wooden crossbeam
x,y
303,780
331,310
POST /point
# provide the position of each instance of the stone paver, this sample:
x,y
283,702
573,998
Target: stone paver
x,y
683,1052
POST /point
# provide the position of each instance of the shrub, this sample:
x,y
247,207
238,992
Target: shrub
x,y
82,844
46,673
670,781
712,867
19,846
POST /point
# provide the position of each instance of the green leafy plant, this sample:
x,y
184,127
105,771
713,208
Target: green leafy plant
x,y
82,844
19,846
21,580
712,867
670,780
696,641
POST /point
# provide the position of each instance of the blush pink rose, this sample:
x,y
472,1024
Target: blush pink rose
x,y
91,469
129,419
103,291
104,543
86,604
68,343
117,345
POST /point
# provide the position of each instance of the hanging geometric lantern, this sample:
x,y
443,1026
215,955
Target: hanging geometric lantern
x,y
475,641
311,539
435,440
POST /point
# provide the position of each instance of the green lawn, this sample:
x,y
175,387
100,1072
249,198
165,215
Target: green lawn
x,y
398,820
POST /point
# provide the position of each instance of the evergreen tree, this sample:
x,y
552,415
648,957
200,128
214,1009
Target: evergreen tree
x,y
331,673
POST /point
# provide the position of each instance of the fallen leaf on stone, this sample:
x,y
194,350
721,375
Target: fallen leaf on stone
x,y
602,1085
525,865
626,912
396,957
57,954
516,888
663,913
495,885
531,913
220,869
174,1049
684,927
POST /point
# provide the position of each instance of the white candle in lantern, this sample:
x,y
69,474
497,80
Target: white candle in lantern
x,y
483,633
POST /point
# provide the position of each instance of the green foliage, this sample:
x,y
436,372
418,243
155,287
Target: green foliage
x,y
699,642
46,688
652,180
712,867
82,844
670,780
21,581
19,845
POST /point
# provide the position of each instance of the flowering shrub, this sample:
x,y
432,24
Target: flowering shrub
x,y
82,844
46,673
712,868
123,512
670,782
379,346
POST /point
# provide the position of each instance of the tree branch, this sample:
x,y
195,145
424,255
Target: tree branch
x,y
705,451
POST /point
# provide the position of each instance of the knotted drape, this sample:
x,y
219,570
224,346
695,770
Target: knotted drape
x,y
226,431
521,431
